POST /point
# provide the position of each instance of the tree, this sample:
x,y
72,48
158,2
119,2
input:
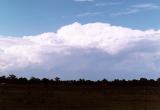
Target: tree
x,y
22,80
2,79
104,80
35,80
45,80
57,79
158,79
12,77
143,79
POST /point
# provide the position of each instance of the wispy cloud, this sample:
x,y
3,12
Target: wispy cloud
x,y
146,6
88,14
127,12
107,4
137,8
83,0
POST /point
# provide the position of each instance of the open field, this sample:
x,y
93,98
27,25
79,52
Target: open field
x,y
39,97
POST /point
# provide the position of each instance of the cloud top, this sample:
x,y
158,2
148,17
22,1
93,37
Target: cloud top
x,y
106,37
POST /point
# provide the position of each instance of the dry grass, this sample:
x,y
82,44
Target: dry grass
x,y
25,97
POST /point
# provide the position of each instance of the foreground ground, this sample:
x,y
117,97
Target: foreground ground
x,y
39,97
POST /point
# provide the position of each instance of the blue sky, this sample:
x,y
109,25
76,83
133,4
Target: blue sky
x,y
72,39
31,17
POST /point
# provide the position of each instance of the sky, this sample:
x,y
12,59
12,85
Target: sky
x,y
32,17
72,39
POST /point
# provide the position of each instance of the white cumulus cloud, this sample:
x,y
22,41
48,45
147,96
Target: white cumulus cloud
x,y
89,50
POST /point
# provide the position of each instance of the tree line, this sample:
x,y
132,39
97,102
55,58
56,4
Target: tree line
x,y
12,79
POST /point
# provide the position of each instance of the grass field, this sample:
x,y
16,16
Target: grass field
x,y
38,97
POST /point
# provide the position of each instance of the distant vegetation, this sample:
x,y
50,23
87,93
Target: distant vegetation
x,y
12,79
